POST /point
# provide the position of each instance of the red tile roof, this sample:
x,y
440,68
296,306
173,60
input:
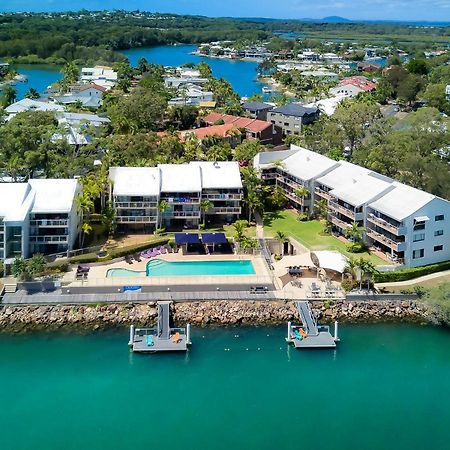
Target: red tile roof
x,y
253,125
360,82
215,130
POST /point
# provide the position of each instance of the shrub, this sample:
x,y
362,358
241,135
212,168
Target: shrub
x,y
348,285
410,273
356,247
302,217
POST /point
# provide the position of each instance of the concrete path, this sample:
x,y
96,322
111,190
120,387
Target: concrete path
x,y
259,226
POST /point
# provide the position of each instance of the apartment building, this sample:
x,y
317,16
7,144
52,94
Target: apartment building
x,y
409,226
170,195
292,117
39,216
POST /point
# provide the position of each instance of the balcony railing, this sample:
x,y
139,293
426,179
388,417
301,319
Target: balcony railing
x,y
322,193
340,223
290,183
56,239
383,239
293,197
225,210
341,209
136,219
181,200
223,196
185,214
384,224
49,223
135,205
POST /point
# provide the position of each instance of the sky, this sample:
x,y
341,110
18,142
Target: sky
x,y
419,10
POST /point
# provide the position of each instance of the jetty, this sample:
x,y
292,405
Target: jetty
x,y
309,334
163,338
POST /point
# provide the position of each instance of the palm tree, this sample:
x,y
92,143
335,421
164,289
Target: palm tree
x,y
354,232
321,207
302,192
281,237
163,206
368,271
239,229
205,205
86,228
9,96
32,94
253,202
351,267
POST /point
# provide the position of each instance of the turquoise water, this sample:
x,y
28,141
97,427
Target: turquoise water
x,y
118,273
160,268
241,74
385,387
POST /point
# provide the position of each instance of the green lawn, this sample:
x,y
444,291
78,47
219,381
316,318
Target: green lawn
x,y
310,234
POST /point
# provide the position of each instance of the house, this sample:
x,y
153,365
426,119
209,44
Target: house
x,y
136,193
190,94
292,116
176,82
28,104
98,74
266,132
328,105
227,132
88,95
368,67
352,86
257,110
40,216
409,226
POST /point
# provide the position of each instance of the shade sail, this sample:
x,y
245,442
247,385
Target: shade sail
x,y
214,238
186,238
329,260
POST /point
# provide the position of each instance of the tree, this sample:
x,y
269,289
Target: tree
x,y
417,66
239,229
204,69
354,232
36,264
436,98
247,150
281,237
32,94
205,205
163,206
19,268
351,268
369,271
409,88
108,218
321,207
8,97
254,203
70,73
86,229
302,192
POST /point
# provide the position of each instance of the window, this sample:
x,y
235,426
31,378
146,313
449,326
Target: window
x,y
439,218
286,124
418,253
439,233
419,226
419,237
438,248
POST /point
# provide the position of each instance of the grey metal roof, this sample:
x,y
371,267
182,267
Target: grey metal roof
x,y
256,106
293,109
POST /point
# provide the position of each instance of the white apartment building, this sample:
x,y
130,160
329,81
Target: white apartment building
x,y
98,74
138,193
39,216
410,226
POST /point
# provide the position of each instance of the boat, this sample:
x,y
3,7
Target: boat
x,y
267,90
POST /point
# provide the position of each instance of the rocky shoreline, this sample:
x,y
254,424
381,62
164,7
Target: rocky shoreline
x,y
225,313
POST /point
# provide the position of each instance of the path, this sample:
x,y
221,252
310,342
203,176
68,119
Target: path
x,y
428,280
259,226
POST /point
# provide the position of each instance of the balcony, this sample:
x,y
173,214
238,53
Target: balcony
x,y
136,219
322,193
225,210
384,240
223,196
49,223
342,209
185,214
135,205
181,200
56,239
384,224
340,223
288,182
294,198
269,175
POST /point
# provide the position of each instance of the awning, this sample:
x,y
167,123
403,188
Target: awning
x,y
421,219
214,238
186,238
330,260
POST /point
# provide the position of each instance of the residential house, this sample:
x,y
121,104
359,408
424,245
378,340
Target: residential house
x,y
368,67
191,94
264,131
257,110
88,95
292,116
27,104
227,132
352,86
40,216
98,75
409,226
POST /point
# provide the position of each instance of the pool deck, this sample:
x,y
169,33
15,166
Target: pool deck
x,y
97,274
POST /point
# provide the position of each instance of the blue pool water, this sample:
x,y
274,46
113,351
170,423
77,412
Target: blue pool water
x,y
160,268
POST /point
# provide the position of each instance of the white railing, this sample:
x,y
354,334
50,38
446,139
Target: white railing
x,y
384,224
223,196
383,239
49,223
340,223
137,205
136,219
225,210
322,193
50,239
188,214
342,209
181,200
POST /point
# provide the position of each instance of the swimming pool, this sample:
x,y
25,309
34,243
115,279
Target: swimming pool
x,y
161,268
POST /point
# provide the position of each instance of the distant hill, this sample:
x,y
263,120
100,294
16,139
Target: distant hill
x,y
335,19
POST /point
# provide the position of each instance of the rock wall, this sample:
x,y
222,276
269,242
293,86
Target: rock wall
x,y
24,318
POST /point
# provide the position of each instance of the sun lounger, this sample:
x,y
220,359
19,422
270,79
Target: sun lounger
x,y
149,341
137,257
176,338
163,250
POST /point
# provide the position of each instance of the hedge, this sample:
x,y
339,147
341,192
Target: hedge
x,y
410,274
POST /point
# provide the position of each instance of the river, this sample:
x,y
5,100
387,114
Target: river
x,y
385,387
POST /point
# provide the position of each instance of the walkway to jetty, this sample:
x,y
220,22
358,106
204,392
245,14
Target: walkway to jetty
x,y
308,320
